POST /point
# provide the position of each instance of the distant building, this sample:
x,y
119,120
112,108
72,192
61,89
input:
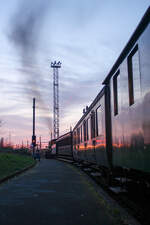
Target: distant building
x,y
2,142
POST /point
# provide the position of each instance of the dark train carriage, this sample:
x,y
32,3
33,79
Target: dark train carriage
x,y
90,134
64,145
51,152
129,82
53,146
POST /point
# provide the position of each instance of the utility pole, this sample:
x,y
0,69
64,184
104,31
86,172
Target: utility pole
x,y
33,135
56,65
40,143
9,138
27,144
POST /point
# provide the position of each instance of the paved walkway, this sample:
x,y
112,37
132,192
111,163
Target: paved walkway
x,y
51,193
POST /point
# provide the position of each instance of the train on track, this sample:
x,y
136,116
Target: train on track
x,y
114,131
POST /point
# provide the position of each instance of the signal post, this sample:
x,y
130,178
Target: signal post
x,y
33,135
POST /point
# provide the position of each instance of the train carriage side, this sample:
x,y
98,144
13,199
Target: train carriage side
x,y
129,82
89,135
64,145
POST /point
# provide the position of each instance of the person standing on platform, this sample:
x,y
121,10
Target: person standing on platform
x,y
38,155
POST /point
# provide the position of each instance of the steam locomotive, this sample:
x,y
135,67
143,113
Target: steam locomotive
x,y
114,131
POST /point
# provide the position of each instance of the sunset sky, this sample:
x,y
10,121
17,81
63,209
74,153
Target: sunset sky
x,y
86,36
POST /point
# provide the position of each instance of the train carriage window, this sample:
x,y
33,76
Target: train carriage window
x,y
74,138
134,76
88,129
93,124
78,135
81,133
99,121
116,91
85,131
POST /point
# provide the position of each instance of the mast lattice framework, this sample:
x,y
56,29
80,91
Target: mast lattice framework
x,y
56,65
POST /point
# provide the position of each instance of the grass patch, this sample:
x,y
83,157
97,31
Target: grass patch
x,y
11,163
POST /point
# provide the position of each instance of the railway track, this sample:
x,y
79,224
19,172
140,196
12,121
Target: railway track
x,y
135,204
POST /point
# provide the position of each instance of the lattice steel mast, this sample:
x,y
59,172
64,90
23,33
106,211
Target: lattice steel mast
x,y
56,65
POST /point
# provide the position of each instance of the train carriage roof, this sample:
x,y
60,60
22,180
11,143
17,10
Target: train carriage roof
x,y
66,135
98,97
139,30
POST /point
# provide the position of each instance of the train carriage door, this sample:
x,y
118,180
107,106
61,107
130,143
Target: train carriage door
x,y
93,132
100,147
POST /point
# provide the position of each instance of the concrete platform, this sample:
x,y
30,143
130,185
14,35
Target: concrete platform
x,y
52,192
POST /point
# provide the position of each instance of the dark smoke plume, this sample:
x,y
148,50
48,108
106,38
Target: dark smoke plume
x,y
25,34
